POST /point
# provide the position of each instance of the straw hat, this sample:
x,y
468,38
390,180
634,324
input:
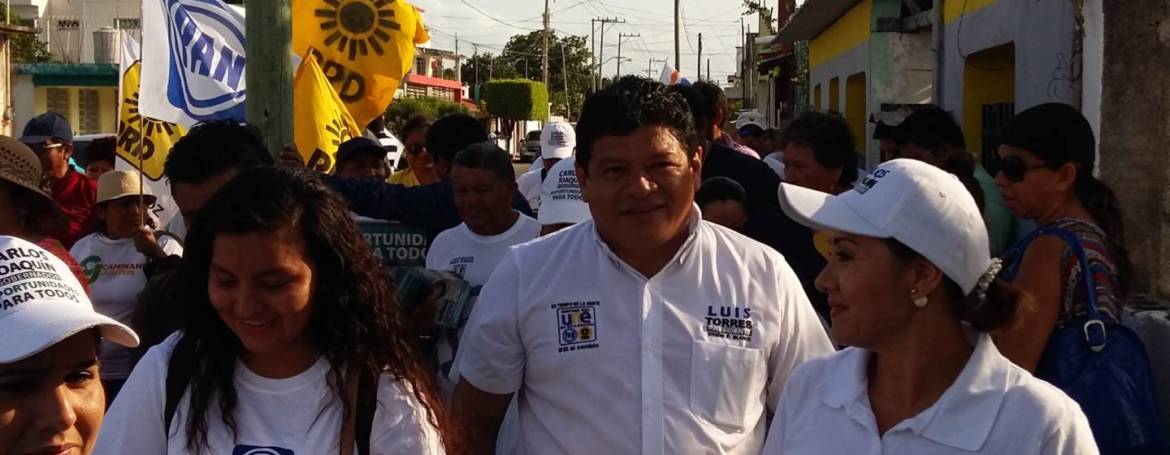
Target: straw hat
x,y
119,184
21,167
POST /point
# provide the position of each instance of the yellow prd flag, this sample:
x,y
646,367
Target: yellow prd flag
x,y
322,123
139,137
364,47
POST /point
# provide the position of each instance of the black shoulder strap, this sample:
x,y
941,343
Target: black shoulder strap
x,y
180,368
367,402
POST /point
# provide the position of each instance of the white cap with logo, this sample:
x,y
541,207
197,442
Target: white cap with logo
x,y
923,207
560,196
557,141
751,118
42,303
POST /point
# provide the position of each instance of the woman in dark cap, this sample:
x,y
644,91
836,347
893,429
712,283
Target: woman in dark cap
x,y
1047,155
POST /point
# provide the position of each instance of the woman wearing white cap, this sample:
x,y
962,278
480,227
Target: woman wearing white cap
x,y
51,400
114,257
914,292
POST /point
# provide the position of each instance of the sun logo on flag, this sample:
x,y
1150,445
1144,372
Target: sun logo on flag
x,y
358,26
149,126
338,132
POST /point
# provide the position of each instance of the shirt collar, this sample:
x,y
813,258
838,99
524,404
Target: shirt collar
x,y
962,417
693,221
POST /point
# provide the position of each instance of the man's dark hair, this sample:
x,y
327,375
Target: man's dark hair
x,y
627,105
450,134
412,125
829,138
715,101
716,189
101,149
212,148
930,128
488,157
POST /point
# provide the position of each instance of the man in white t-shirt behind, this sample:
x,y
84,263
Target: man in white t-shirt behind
x,y
484,182
557,142
646,330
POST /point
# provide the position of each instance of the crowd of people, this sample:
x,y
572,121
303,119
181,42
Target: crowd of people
x,y
654,285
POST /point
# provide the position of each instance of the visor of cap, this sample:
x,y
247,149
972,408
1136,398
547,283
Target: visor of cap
x,y
44,323
826,212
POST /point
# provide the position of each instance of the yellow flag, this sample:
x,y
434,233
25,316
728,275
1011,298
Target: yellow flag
x,y
364,47
139,136
322,123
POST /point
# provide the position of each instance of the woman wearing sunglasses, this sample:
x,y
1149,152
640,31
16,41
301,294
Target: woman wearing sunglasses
x,y
1046,158
420,168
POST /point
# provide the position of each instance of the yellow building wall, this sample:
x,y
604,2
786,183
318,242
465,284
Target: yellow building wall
x,y
850,31
952,9
107,107
988,77
855,109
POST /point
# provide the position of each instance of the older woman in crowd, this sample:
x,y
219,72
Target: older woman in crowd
x,y
913,289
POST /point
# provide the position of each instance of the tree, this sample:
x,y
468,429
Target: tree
x,y
514,100
25,48
404,109
525,51
758,7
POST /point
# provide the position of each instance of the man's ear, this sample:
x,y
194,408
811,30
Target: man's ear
x,y
696,163
582,181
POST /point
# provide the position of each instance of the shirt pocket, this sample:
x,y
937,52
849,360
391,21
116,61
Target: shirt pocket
x,y
727,385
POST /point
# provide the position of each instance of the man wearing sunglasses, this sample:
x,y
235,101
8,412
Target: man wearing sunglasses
x,y
50,136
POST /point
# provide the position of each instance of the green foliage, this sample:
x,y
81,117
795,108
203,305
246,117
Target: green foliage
x,y
25,48
450,74
404,109
516,99
758,7
568,62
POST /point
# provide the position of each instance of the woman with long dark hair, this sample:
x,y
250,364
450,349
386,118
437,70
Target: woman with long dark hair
x,y
289,318
1047,155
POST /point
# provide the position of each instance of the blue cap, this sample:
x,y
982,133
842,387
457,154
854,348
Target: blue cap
x,y
49,125
359,145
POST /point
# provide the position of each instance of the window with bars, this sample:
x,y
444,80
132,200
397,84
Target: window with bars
x,y
414,91
89,111
57,100
128,23
68,24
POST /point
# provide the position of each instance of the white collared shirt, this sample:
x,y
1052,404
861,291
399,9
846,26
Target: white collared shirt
x,y
993,407
607,361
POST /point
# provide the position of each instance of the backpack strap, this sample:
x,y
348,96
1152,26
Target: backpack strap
x,y
180,368
367,402
1094,327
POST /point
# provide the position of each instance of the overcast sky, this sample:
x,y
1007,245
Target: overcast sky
x,y
489,24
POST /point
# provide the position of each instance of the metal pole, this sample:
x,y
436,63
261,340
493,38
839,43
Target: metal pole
x,y
699,61
601,54
593,51
565,73
545,62
677,62
270,72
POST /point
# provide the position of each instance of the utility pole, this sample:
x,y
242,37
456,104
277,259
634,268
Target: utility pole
x,y
545,63
565,73
650,67
619,59
601,52
677,62
270,73
475,59
593,51
708,69
458,61
699,61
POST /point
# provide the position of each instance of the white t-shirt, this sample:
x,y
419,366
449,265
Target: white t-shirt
x,y
114,271
473,256
292,416
530,185
605,360
775,160
993,407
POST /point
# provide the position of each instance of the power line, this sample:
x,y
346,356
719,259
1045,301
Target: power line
x,y
489,16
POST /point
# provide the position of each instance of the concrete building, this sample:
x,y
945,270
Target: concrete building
x,y
982,60
426,78
7,32
81,82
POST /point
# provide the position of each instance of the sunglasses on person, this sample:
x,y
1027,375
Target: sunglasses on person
x,y
415,149
1015,169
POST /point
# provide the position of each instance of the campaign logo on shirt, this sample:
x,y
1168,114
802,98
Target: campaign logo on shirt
x,y
459,265
254,450
730,322
576,325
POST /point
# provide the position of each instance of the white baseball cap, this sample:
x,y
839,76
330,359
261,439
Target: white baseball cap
x,y
923,207
42,303
557,141
560,196
751,118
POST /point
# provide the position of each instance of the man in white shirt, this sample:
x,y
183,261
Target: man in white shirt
x,y
645,330
484,182
557,142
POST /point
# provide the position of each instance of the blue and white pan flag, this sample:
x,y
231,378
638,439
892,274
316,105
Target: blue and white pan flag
x,y
671,76
192,61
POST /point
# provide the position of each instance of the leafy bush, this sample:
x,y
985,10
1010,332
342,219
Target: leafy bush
x,y
404,109
516,99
